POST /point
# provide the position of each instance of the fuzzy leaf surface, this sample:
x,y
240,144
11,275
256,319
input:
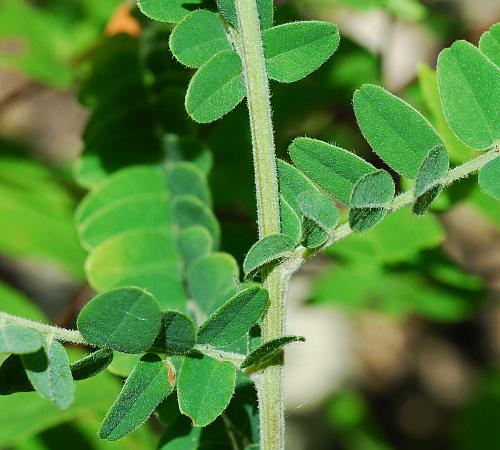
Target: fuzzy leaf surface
x,y
469,85
216,88
198,37
124,319
205,388
151,381
290,221
320,209
91,364
294,50
235,318
489,178
396,131
489,44
49,372
168,10
269,350
177,335
267,250
19,340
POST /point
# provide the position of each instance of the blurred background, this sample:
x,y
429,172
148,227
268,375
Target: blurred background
x,y
402,322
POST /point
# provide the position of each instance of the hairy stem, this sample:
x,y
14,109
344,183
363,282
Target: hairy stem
x,y
270,381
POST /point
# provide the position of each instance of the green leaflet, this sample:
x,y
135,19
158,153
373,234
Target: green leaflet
x,y
49,372
427,80
267,250
235,318
489,44
216,88
212,280
123,363
168,10
198,37
13,376
120,261
334,169
177,335
489,178
204,388
397,132
194,242
469,86
264,7
320,209
185,179
427,186
124,319
19,340
294,50
151,381
269,350
91,364
290,221
190,211
371,194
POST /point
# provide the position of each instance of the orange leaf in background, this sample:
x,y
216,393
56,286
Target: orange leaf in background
x,y
123,22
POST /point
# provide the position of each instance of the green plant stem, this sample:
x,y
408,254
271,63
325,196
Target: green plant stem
x,y
60,334
270,381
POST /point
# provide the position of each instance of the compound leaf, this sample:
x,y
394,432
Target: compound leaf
x,y
267,250
194,242
294,50
334,169
19,340
489,44
216,88
269,350
396,131
290,221
177,335
489,178
235,318
320,209
150,382
204,388
49,372
168,10
198,37
185,179
92,364
469,86
124,319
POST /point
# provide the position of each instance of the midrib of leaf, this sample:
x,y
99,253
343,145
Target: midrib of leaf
x,y
117,328
204,394
307,44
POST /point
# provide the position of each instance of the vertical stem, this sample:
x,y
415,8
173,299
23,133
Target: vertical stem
x,y
270,382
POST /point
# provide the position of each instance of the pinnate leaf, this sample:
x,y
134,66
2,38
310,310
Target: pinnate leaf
x,y
151,381
49,372
124,319
235,318
204,388
269,350
198,37
216,88
19,340
294,50
177,335
489,44
489,178
469,86
397,132
91,364
268,250
168,10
